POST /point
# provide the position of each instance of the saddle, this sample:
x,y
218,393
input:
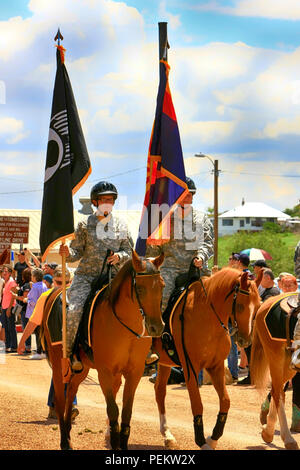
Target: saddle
x,y
53,314
281,318
291,306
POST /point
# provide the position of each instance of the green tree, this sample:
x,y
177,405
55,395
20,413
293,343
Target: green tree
x,y
281,247
294,212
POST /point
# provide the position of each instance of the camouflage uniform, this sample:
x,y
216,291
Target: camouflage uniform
x,y
92,240
190,237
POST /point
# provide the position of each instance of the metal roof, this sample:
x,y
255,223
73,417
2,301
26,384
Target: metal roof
x,y
255,209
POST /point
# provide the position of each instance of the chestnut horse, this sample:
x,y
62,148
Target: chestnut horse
x,y
201,337
130,306
270,357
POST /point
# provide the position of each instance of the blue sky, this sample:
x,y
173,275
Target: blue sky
x,y
235,82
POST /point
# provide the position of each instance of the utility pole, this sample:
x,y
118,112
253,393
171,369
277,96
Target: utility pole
x,y
216,209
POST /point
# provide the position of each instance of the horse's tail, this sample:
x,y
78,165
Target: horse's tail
x,y
259,365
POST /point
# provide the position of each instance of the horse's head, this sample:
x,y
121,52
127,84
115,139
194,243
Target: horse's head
x,y
246,302
148,285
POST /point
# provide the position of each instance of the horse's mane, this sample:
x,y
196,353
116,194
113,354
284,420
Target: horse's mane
x,y
223,281
112,293
126,271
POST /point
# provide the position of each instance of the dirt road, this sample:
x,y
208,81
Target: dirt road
x,y
24,386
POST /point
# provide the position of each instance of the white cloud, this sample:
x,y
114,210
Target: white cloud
x,y
281,127
273,9
12,129
207,131
225,95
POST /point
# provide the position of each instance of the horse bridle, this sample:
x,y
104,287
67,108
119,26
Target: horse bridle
x,y
236,289
134,276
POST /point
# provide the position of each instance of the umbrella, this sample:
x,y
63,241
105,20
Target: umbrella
x,y
256,253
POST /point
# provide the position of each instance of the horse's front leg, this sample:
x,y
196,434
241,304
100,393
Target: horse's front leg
x,y
110,385
55,354
132,380
160,387
197,408
218,378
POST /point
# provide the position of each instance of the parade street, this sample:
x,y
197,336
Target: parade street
x,y
24,386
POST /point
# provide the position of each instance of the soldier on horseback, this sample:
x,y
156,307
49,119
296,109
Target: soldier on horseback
x,y
101,232
191,240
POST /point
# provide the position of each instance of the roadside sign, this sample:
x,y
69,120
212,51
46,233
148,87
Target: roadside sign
x,y
14,230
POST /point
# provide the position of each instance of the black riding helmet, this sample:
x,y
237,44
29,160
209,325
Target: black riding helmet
x,y
191,185
101,188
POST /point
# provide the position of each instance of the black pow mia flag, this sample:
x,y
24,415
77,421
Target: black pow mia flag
x,y
67,162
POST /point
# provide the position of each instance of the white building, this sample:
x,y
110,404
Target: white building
x,y
249,216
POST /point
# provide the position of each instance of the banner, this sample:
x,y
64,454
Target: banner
x,y
165,184
67,162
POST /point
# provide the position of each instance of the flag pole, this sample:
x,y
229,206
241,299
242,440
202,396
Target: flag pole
x,y
58,38
64,303
163,41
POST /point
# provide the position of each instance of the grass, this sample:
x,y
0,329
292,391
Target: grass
x,y
281,247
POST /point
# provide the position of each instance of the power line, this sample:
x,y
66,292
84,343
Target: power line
x,y
106,177
259,174
143,167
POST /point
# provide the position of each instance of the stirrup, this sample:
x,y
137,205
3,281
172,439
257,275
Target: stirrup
x,y
151,358
76,364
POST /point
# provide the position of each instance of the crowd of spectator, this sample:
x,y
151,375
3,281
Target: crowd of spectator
x,y
21,285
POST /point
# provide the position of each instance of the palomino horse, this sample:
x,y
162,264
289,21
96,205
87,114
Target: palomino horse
x,y
201,337
131,305
269,355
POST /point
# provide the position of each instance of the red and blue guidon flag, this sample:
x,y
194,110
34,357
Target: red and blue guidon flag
x,y
165,184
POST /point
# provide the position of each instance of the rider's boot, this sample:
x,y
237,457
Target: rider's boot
x,y
151,358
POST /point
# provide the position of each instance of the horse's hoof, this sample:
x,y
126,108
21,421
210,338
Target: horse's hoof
x,y
267,437
170,443
292,446
212,443
66,447
206,447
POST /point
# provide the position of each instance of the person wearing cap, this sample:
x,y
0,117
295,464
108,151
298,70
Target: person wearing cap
x,y
258,265
233,260
243,264
101,232
191,239
268,285
48,280
49,268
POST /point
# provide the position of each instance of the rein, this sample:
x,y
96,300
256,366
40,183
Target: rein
x,y
235,290
141,310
